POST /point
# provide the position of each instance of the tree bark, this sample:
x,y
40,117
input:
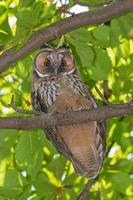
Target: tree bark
x,y
57,29
71,117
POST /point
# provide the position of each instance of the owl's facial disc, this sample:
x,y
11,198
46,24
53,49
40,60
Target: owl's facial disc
x,y
54,62
41,63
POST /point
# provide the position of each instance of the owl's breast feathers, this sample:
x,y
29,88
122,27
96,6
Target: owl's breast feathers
x,y
84,143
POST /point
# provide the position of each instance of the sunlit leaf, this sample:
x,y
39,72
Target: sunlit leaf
x,y
29,152
11,185
30,166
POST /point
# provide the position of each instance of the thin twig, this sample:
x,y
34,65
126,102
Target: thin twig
x,y
85,194
106,90
102,97
98,195
19,110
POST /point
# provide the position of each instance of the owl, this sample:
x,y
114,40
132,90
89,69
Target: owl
x,y
57,87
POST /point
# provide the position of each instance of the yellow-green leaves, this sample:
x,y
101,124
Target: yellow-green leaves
x,y
30,166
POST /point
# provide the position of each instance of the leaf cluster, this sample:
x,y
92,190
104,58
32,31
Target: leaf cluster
x,y
30,167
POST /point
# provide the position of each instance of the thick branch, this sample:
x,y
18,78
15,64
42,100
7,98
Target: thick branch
x,y
43,121
91,4
66,25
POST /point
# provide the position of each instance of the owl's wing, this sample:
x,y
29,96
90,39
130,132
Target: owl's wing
x,y
101,132
57,140
101,125
53,135
88,146
86,162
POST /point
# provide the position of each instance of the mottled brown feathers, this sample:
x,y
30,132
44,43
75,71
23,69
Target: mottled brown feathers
x,y
57,87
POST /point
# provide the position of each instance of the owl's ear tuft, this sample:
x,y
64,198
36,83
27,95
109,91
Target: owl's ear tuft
x,y
64,45
45,45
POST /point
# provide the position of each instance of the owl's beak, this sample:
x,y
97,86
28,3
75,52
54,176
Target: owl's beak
x,y
56,69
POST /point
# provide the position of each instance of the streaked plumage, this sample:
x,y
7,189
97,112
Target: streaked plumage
x,y
57,87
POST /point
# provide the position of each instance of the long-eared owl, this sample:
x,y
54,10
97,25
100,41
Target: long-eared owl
x,y
56,88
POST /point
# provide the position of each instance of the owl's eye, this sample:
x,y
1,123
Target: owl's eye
x,y
48,64
62,63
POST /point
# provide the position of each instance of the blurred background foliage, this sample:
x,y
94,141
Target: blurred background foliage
x,y
30,166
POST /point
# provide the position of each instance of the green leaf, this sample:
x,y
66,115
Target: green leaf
x,y
43,186
28,153
18,100
115,33
23,3
2,10
102,35
23,67
81,35
8,139
121,181
57,166
5,33
124,165
11,186
118,31
25,193
102,66
84,52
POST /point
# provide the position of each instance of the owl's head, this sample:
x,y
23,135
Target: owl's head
x,y
52,62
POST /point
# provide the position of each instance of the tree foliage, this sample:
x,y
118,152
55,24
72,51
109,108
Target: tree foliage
x,y
30,166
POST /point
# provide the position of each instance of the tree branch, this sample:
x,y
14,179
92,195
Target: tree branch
x,y
66,25
85,194
93,4
19,110
71,117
